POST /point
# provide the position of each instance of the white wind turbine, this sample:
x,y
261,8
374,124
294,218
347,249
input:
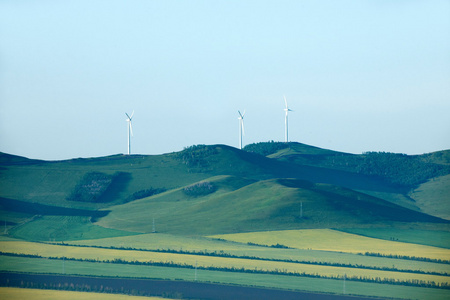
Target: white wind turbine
x,y
286,109
241,127
130,131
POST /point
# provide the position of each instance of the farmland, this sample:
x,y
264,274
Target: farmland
x,y
18,294
288,222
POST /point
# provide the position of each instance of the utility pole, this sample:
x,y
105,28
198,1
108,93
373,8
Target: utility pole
x,y
344,284
195,275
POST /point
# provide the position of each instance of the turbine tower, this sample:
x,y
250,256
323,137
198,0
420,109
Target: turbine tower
x,y
241,127
286,109
130,131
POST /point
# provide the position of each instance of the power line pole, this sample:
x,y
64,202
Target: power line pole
x,y
195,275
344,284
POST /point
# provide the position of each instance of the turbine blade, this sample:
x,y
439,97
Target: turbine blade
x,y
128,116
242,124
132,114
285,101
241,114
131,129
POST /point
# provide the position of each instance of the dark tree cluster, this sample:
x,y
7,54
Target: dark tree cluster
x,y
94,187
400,169
199,189
197,157
145,193
266,148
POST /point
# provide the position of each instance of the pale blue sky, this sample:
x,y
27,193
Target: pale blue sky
x,y
359,75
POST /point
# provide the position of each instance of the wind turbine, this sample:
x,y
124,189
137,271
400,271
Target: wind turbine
x,y
130,131
286,109
241,127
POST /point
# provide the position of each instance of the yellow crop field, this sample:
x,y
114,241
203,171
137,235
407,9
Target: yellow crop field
x,y
48,250
333,240
36,294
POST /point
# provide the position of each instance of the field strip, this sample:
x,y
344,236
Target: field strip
x,y
37,294
48,250
337,241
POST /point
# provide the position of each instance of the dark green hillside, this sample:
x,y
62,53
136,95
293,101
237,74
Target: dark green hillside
x,y
238,205
221,159
406,171
438,157
9,160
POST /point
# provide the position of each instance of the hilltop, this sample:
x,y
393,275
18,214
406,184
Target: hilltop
x,y
219,189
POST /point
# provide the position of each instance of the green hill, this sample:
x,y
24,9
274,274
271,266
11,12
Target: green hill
x,y
214,189
240,205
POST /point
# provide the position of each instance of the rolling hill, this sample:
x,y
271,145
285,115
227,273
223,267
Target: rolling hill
x,y
269,186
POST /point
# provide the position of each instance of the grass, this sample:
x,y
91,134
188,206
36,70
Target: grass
x,y
435,238
63,228
433,197
336,241
248,201
37,265
174,212
36,294
255,206
51,183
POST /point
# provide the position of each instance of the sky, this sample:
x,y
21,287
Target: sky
x,y
359,75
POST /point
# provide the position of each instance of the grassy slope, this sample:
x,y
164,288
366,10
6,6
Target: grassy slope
x,y
51,182
63,228
433,197
264,205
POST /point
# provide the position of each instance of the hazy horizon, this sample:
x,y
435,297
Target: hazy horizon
x,y
358,75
